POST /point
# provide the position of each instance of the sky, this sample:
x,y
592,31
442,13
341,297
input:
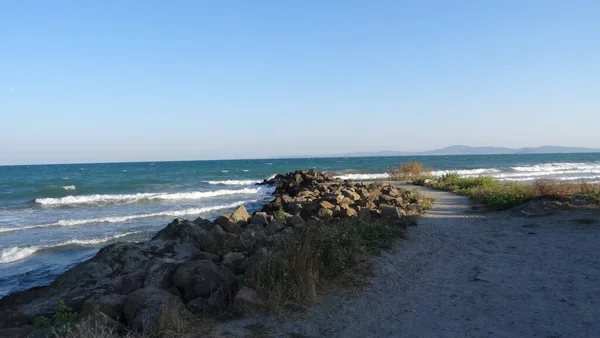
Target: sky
x,y
101,81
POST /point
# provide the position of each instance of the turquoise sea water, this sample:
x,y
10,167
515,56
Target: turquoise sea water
x,y
54,216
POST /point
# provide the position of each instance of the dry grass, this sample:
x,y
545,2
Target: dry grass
x,y
172,322
553,188
408,171
295,271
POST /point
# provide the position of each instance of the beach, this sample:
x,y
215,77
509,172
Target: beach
x,y
54,216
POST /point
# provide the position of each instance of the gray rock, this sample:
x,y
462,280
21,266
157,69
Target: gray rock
x,y
234,261
295,221
391,213
142,307
228,225
274,227
204,223
247,301
260,218
200,278
110,305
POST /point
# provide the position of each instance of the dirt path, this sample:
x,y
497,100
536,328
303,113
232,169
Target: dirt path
x,y
464,275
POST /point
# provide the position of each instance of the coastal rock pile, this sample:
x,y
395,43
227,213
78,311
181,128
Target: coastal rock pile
x,y
195,266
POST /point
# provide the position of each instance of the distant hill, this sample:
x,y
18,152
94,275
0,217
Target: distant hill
x,y
467,150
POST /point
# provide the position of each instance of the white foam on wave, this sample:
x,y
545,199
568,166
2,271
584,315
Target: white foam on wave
x,y
125,218
95,199
14,254
362,177
69,187
589,172
233,182
468,172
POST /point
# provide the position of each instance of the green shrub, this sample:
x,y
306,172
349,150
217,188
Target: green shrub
x,y
593,196
503,196
280,215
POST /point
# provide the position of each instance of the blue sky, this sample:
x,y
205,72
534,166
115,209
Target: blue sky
x,y
87,81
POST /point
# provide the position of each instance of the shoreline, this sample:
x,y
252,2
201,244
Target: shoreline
x,y
165,266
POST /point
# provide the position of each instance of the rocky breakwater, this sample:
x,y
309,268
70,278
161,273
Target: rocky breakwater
x,y
195,266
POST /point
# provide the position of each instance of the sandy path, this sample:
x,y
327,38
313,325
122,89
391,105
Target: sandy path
x,y
465,275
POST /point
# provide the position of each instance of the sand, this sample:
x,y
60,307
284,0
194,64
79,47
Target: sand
x,y
460,274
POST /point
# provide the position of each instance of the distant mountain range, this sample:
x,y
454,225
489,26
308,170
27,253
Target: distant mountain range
x,y
466,150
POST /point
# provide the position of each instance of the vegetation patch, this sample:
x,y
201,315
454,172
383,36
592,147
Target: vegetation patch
x,y
320,254
408,171
498,195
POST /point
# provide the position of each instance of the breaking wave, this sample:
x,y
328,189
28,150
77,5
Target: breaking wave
x,y
125,218
359,177
14,254
233,182
96,199
69,187
589,172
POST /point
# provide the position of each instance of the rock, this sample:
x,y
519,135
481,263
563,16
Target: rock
x,y
295,221
247,301
365,214
204,223
251,238
351,194
234,261
142,307
240,216
110,305
334,198
201,255
326,205
294,207
15,332
260,218
391,213
200,278
159,273
228,225
10,318
47,332
347,211
274,227
325,213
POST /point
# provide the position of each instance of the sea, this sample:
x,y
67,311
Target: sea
x,y
55,216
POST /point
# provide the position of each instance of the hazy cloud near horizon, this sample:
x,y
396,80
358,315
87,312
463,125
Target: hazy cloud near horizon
x,y
200,80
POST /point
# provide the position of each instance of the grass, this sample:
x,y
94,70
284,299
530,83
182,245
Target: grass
x,y
319,255
504,195
408,171
172,322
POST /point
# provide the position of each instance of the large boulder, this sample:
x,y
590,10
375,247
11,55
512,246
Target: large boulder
x,y
351,194
295,221
260,218
200,279
347,211
111,305
247,301
143,307
228,225
274,227
391,213
240,216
